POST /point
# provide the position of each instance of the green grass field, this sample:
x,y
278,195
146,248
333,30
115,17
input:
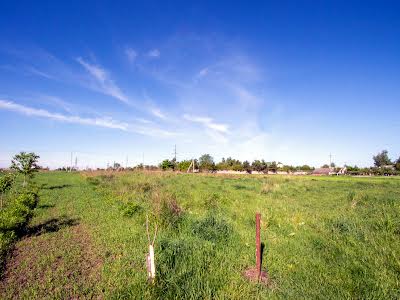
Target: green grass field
x,y
325,237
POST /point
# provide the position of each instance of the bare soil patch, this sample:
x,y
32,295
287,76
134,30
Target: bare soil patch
x,y
58,263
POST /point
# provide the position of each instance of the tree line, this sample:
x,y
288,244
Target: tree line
x,y
383,165
206,163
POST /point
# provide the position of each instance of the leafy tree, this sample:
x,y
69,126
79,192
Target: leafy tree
x,y
184,165
116,165
6,182
397,165
167,165
25,164
382,159
259,166
333,165
325,166
246,166
304,168
206,162
272,166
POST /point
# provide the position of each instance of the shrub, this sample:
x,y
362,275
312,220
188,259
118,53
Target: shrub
x,y
131,208
212,229
18,213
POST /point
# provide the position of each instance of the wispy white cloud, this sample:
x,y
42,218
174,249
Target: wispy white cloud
x,y
144,121
155,53
29,111
208,122
203,72
104,83
56,101
144,128
158,113
131,54
35,71
245,97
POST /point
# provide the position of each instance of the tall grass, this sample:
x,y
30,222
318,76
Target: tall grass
x,y
325,238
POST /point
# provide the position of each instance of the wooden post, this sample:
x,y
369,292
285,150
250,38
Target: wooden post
x,y
151,267
258,245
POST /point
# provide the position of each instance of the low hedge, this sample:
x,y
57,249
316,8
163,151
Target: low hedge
x,y
14,218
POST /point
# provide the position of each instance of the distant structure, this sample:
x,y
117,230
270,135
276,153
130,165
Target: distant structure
x,y
329,171
323,171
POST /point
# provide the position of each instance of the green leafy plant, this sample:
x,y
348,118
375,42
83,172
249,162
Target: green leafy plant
x,y
6,183
25,164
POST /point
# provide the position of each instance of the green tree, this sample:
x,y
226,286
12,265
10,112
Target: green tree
x,y
167,165
397,165
206,162
304,168
25,164
184,165
382,159
6,183
246,166
259,166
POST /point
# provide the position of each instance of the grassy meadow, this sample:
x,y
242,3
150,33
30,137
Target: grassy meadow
x,y
325,237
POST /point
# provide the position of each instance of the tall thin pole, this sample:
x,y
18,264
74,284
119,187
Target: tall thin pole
x,y
258,245
175,153
70,167
330,160
126,162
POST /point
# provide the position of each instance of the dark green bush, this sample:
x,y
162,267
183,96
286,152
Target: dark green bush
x,y
93,180
212,229
18,212
131,208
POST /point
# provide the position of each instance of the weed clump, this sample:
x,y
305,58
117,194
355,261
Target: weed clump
x,y
93,181
269,187
181,265
167,210
212,229
143,187
212,201
131,208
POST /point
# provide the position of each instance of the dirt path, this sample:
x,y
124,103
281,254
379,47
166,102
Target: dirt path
x,y
55,260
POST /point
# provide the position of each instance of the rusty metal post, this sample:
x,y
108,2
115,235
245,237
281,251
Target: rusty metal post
x,y
258,245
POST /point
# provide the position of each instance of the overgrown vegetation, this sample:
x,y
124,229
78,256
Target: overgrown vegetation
x,y
16,207
325,237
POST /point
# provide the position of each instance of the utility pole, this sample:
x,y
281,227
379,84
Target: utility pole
x,y
175,153
330,160
126,162
76,162
70,166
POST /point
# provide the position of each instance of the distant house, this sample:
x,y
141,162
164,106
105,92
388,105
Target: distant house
x,y
323,171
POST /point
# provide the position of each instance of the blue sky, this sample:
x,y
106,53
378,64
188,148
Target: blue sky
x,y
287,81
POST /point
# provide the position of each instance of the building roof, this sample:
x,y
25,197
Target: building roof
x,y
323,171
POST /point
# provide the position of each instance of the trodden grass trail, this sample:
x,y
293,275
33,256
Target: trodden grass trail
x,y
325,238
